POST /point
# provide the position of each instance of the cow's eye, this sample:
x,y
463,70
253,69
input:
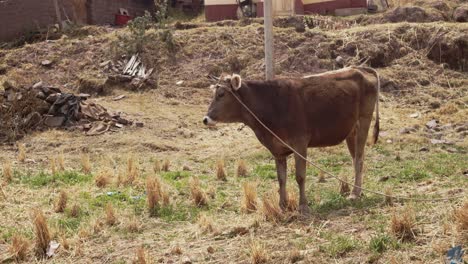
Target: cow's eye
x,y
220,94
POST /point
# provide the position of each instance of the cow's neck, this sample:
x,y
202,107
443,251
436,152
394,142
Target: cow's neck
x,y
251,97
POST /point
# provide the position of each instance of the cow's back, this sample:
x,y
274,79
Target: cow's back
x,y
318,109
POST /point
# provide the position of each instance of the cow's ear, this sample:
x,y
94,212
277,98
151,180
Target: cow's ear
x,y
236,82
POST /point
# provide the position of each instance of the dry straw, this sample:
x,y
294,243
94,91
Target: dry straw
x,y
344,186
198,195
403,223
140,256
206,223
241,169
166,165
133,225
111,218
21,153
103,178
157,166
388,195
60,162
75,211
132,171
258,253
61,202
461,217
85,163
7,172
249,198
19,247
321,177
292,202
42,234
153,193
270,206
53,166
220,172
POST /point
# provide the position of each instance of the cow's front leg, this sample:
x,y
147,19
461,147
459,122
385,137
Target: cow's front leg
x,y
281,170
300,178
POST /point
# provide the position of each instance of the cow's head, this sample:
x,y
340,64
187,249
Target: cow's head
x,y
224,107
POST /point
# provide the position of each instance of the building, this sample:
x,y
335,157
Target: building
x,y
19,17
216,10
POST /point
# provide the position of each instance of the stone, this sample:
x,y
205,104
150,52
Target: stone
x,y
46,63
54,121
186,260
432,124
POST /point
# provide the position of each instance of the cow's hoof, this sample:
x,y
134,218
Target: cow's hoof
x,y
353,197
304,209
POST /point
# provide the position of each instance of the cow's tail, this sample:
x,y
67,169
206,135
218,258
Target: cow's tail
x,y
375,136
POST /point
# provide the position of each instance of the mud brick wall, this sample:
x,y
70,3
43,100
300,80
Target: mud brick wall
x,y
18,17
103,11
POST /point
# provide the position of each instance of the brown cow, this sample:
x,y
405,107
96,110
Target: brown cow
x,y
315,111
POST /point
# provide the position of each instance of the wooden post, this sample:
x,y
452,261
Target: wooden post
x,y
58,14
268,26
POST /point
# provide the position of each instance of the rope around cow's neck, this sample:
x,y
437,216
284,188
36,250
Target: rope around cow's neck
x,y
331,174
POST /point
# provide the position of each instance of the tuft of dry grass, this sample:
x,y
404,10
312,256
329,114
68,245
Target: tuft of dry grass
x,y
41,231
388,195
176,250
249,198
206,223
164,193
448,109
7,172
198,195
85,163
19,247
98,226
60,162
132,171
166,165
153,193
61,203
403,223
64,242
157,166
52,166
220,172
75,210
133,225
321,177
258,254
140,256
292,202
295,255
344,186
103,178
270,206
119,181
242,169
461,219
21,153
111,218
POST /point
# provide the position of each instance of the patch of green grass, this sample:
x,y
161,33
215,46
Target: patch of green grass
x,y
6,233
69,224
265,171
61,178
178,213
175,175
339,245
332,201
382,242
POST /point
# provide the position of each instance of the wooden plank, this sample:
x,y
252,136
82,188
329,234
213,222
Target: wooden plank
x,y
58,14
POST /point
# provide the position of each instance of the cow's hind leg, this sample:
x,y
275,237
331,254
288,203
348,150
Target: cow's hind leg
x,y
300,178
281,170
360,139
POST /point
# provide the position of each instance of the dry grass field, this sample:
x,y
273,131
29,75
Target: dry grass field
x,y
175,191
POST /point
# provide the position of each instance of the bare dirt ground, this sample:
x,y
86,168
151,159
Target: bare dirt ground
x,y
425,77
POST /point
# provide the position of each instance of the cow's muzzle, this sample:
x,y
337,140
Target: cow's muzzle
x,y
208,121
